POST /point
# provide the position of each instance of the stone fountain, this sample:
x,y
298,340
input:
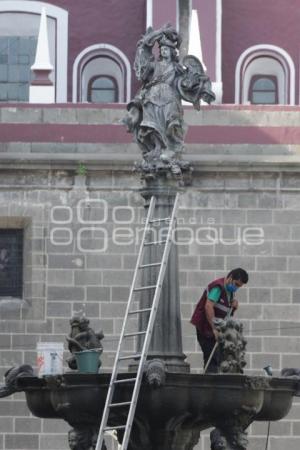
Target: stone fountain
x,y
174,405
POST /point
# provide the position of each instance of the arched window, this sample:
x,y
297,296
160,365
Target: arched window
x,y
265,74
101,73
263,90
107,75
102,89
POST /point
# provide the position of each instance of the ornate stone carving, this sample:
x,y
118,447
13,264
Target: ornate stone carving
x,y
232,346
217,440
140,435
84,438
155,371
11,379
179,433
230,433
82,337
155,115
184,434
256,383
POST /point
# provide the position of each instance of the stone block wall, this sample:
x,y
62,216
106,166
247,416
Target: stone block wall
x,y
81,241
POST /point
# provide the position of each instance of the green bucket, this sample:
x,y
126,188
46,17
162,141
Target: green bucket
x,y
88,361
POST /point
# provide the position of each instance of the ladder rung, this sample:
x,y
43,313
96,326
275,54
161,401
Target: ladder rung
x,y
125,380
138,311
116,405
136,333
155,242
160,220
150,265
119,427
137,355
144,288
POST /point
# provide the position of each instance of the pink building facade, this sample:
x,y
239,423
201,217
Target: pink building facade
x,y
250,50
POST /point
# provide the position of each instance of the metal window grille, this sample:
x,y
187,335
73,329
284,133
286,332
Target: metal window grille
x,y
11,263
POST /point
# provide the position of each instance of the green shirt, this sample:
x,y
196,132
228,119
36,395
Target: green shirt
x,y
215,294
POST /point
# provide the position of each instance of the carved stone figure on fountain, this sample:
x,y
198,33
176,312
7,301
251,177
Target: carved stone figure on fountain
x,y
232,345
82,337
155,115
217,440
11,377
84,438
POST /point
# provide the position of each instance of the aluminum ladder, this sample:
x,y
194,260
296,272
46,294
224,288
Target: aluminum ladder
x,y
136,380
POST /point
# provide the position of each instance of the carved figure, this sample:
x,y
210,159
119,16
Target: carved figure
x,y
94,441
155,372
230,433
11,379
82,337
79,439
73,439
155,115
83,439
232,346
217,440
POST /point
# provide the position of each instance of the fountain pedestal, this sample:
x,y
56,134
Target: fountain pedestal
x,y
166,343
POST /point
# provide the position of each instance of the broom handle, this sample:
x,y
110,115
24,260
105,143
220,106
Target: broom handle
x,y
216,344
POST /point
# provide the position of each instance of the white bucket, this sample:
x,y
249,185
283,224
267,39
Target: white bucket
x,y
49,358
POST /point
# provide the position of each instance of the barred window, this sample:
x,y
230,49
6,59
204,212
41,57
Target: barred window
x,y
16,57
11,263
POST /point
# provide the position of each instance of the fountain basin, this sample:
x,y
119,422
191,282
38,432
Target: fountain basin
x,y
205,398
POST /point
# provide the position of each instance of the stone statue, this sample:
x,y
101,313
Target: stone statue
x,y
232,346
155,372
84,438
155,115
217,440
82,337
11,379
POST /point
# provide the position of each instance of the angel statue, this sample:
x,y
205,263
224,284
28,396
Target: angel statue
x,y
155,115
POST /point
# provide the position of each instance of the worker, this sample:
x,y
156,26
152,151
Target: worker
x,y
217,301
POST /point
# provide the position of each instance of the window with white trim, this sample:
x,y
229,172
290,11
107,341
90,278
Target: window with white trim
x,y
101,73
19,27
277,70
102,81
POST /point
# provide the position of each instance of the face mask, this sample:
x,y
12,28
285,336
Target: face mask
x,y
231,288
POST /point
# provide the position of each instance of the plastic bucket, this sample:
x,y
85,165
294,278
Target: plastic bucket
x,y
50,358
88,361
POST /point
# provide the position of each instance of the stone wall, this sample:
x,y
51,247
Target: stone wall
x,y
81,241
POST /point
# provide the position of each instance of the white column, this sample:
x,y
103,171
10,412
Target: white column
x,y
42,89
195,46
218,85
